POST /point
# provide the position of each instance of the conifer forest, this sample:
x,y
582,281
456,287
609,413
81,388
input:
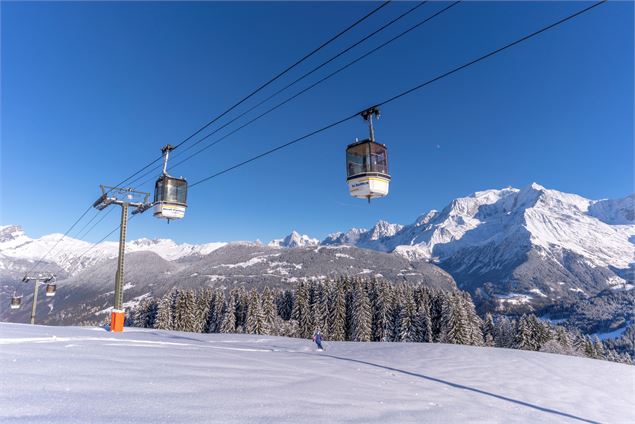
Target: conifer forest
x,y
361,310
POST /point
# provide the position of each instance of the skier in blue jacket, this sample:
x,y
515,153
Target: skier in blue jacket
x,y
317,338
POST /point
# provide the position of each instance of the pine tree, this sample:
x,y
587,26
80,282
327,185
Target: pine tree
x,y
437,298
455,324
269,312
409,330
228,324
489,330
361,314
396,307
216,311
185,311
473,321
165,312
381,312
589,348
505,332
319,309
424,323
203,300
524,338
302,311
598,346
255,322
284,303
564,340
144,315
242,302
337,316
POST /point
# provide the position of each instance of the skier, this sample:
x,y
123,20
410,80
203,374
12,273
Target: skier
x,y
317,338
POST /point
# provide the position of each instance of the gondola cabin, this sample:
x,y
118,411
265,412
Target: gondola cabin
x,y
170,197
16,301
51,288
367,169
170,193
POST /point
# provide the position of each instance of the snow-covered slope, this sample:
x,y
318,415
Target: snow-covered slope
x,y
75,374
520,239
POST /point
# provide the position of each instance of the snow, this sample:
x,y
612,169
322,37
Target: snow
x,y
538,292
553,321
294,240
612,334
246,264
83,374
514,298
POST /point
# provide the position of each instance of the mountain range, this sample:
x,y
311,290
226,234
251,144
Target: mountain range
x,y
511,247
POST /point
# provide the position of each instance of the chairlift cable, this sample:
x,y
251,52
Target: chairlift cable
x,y
321,65
306,56
406,92
261,87
288,99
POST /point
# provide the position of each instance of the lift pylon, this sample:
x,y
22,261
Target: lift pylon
x,y
38,278
124,197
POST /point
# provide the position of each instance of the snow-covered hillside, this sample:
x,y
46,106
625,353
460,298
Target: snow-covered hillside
x,y
75,374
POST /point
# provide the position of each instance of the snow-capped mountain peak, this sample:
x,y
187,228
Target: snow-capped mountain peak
x,y
294,239
494,235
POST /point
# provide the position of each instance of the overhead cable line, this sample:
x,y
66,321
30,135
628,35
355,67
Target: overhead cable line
x,y
39,261
96,223
262,86
88,223
321,65
375,49
85,252
404,93
276,77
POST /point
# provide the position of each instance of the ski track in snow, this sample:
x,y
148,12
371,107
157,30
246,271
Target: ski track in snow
x,y
75,374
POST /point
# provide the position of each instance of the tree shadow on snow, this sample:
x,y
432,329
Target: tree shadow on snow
x,y
461,386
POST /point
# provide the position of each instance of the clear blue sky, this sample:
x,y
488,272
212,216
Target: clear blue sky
x,y
91,91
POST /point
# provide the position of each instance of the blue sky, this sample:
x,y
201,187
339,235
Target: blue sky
x,y
91,91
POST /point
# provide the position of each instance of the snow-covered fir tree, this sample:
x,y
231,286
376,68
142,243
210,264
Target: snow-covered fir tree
x,y
361,325
409,330
228,324
489,330
255,322
165,312
337,314
320,310
302,311
381,312
269,311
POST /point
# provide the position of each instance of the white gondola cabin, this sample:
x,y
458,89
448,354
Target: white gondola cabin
x,y
170,193
16,301
367,165
51,288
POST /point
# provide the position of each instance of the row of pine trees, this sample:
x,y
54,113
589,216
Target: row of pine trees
x,y
354,309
